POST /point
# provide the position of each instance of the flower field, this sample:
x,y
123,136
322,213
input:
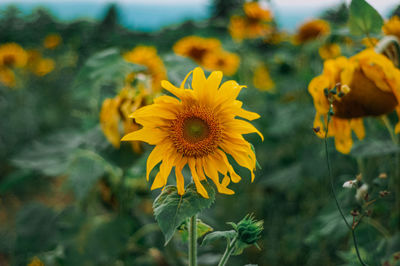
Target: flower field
x,y
225,141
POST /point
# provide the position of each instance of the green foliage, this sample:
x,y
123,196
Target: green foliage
x,y
172,209
364,19
217,235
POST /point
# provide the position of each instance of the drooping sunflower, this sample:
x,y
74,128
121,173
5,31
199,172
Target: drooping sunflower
x,y
12,55
262,80
197,127
147,56
226,62
392,27
329,51
368,84
311,30
196,47
117,110
52,41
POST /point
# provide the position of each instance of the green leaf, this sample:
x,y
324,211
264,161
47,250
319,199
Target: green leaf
x,y
85,169
211,237
364,19
49,155
172,209
202,229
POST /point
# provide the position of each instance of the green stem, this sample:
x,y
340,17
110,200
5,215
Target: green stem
x,y
193,241
389,128
228,252
334,193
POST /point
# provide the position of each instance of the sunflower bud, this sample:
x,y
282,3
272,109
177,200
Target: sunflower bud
x,y
249,230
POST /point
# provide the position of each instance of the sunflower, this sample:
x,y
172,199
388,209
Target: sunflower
x,y
311,30
226,62
329,51
12,55
197,128
38,65
255,11
262,80
7,77
244,28
52,41
368,84
369,42
392,27
147,56
196,47
118,109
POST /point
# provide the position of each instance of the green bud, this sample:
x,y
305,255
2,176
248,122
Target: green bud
x,y
249,230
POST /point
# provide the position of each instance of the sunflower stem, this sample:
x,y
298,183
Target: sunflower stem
x,y
193,241
228,252
334,192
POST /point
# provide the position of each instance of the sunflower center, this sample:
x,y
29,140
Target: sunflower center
x,y
197,53
195,132
8,60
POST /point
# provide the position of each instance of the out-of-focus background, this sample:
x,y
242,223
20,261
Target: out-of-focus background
x,y
71,194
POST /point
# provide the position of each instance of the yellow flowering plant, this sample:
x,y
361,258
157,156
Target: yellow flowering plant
x,y
195,127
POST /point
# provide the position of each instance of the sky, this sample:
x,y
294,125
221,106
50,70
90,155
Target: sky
x,y
289,13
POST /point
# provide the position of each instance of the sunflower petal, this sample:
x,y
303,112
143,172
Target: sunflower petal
x,y
200,189
153,136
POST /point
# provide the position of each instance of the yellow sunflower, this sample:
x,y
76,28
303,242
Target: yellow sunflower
x,y
147,56
12,55
117,110
196,47
226,62
255,11
243,28
52,41
392,27
329,51
197,128
38,65
311,30
262,80
7,77
368,84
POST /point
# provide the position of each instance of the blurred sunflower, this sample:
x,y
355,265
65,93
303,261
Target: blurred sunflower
x,y
12,55
368,84
253,25
38,65
36,262
197,127
262,80
52,41
226,62
311,30
369,42
118,109
147,56
255,11
329,51
7,77
392,27
196,47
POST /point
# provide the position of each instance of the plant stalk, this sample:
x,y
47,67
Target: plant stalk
x,y
193,241
334,193
228,252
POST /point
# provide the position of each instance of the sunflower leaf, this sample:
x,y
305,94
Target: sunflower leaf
x,y
202,229
364,19
172,209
